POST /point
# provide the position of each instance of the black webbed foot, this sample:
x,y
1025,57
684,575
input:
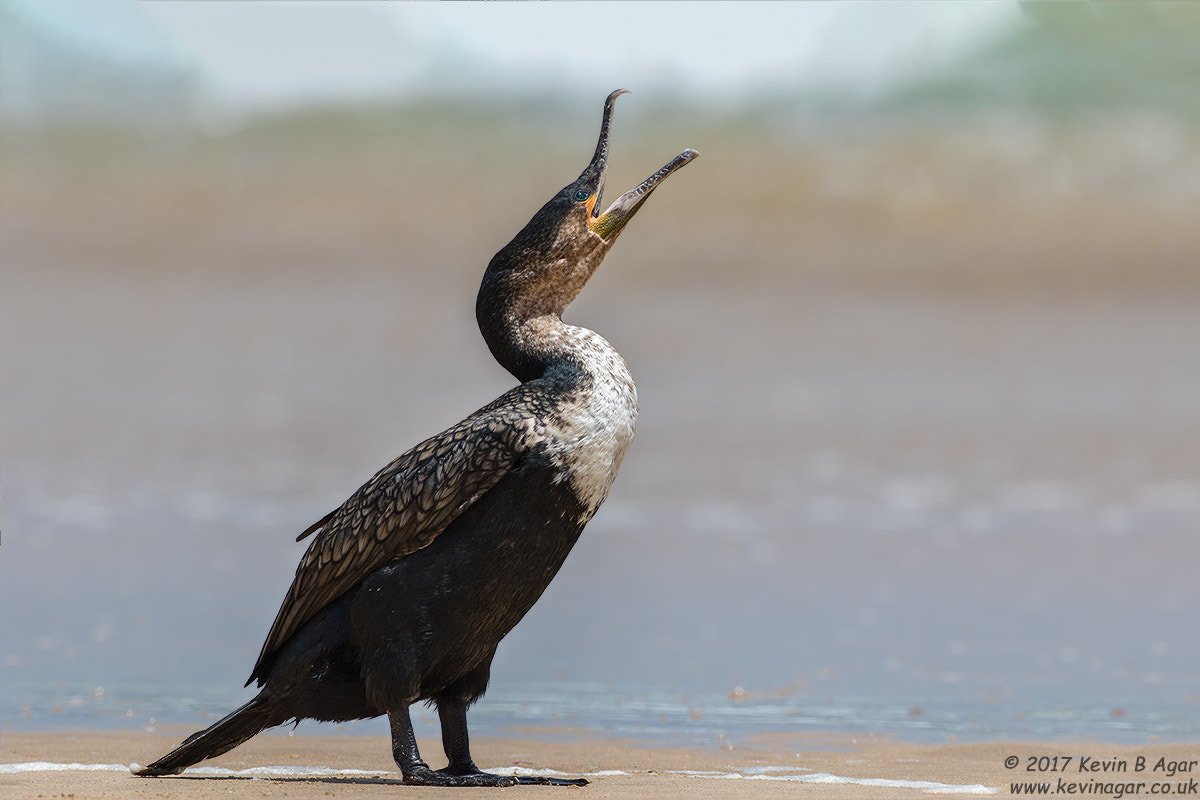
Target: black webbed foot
x,y
470,771
461,771
422,775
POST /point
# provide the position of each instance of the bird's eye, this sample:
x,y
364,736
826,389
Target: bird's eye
x,y
581,195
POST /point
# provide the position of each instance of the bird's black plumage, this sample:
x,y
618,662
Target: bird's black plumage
x,y
409,586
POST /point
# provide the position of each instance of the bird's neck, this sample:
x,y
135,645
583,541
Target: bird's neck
x,y
530,344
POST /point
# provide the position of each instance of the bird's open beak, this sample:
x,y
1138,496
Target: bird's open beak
x,y
610,223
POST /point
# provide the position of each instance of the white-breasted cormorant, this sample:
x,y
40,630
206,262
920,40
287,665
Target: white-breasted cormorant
x,y
410,585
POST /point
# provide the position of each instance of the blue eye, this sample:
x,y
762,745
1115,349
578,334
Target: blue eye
x,y
581,195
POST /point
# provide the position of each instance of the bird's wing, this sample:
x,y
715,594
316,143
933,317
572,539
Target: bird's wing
x,y
404,508
316,526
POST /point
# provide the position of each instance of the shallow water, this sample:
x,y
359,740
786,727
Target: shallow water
x,y
868,504
565,709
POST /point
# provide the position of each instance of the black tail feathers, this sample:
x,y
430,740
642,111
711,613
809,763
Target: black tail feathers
x,y
221,737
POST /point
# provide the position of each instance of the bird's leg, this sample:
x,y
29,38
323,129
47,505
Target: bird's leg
x,y
455,741
404,744
418,773
453,715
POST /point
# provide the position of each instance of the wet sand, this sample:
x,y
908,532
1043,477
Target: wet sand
x,y
768,766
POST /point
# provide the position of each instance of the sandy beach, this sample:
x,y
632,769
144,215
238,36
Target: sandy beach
x,y
769,766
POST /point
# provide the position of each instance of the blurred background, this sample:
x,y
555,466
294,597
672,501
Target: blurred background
x,y
917,343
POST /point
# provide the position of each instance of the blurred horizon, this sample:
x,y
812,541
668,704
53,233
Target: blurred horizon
x,y
217,66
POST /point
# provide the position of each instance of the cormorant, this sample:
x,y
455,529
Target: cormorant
x,y
410,585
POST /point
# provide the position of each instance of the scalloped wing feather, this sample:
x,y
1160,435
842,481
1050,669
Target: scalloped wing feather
x,y
405,506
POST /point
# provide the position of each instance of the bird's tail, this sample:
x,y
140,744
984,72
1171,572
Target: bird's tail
x,y
220,737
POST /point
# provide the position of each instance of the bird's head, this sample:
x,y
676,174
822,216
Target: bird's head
x,y
548,262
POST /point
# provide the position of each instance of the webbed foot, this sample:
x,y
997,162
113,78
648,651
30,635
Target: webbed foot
x,y
422,775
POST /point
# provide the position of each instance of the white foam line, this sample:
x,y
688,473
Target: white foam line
x,y
764,770
267,772
552,773
49,766
930,787
275,772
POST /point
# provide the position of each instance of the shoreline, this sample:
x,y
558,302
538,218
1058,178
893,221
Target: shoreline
x,y
95,765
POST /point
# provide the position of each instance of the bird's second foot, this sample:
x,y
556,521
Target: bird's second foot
x,y
523,780
422,775
469,768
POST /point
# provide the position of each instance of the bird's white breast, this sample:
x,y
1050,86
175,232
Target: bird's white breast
x,y
595,426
